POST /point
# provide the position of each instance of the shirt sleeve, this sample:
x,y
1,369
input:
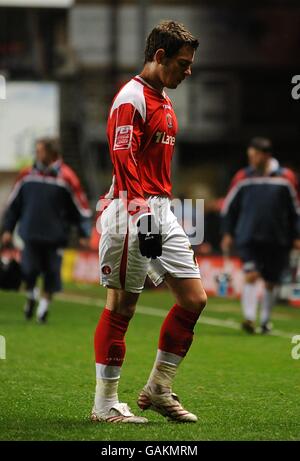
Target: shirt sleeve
x,y
14,204
294,202
79,210
231,205
125,133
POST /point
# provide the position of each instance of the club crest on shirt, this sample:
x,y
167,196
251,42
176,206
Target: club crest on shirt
x,y
123,137
169,120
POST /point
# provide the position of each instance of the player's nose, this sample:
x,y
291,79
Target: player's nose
x,y
188,72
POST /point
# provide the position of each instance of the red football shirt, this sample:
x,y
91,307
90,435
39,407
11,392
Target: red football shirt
x,y
141,131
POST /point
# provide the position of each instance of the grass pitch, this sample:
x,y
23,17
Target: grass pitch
x,y
241,387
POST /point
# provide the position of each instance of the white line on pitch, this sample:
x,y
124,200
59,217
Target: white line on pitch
x,y
162,313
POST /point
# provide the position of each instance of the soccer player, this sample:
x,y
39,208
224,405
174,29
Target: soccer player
x,y
261,216
46,199
141,132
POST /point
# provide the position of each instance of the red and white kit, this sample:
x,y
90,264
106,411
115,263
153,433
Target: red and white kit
x,y
141,132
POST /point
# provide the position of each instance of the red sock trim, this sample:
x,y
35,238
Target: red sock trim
x,y
109,340
176,334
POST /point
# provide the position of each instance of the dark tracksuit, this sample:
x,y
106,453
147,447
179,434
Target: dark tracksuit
x,y
261,212
45,202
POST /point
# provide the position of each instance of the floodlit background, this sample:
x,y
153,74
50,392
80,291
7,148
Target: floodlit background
x,y
63,61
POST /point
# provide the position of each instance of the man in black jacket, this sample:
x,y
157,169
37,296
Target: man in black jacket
x,y
46,200
261,216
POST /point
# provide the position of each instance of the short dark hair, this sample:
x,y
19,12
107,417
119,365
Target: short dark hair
x,y
262,144
52,145
170,36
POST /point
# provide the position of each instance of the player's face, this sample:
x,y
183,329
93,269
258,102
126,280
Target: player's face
x,y
178,67
41,154
257,159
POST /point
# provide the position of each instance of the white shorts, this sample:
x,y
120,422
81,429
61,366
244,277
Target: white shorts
x,y
121,263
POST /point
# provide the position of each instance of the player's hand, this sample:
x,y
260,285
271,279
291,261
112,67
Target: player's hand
x,y
296,244
226,243
6,238
150,240
84,242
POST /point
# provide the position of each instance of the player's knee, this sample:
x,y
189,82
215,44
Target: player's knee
x,y
202,301
127,310
196,303
121,302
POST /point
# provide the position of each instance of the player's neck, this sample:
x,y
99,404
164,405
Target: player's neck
x,y
151,78
264,169
268,167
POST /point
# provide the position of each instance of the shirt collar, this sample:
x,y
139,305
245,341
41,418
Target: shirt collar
x,y
138,77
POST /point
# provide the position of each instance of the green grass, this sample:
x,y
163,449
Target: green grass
x,y
241,387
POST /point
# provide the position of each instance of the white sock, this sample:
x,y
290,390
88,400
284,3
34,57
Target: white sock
x,y
42,307
267,303
163,371
33,294
106,394
249,301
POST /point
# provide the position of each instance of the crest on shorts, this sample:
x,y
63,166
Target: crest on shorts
x,y
106,270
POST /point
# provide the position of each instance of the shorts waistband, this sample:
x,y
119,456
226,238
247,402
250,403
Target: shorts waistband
x,y
158,196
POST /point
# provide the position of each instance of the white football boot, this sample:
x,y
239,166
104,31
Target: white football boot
x,y
167,404
118,413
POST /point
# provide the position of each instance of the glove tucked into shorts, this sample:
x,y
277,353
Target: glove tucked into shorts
x,y
150,240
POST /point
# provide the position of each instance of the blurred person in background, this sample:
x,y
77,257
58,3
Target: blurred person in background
x,y
46,200
212,227
261,217
141,132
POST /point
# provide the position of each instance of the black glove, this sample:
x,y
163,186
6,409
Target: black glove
x,y
150,240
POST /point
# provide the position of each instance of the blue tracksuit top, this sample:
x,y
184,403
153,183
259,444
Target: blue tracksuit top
x,y
262,208
45,203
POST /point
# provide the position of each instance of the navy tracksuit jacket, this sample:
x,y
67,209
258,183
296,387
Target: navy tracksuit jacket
x,y
262,209
45,202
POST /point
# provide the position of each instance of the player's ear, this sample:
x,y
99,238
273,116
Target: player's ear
x,y
160,56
